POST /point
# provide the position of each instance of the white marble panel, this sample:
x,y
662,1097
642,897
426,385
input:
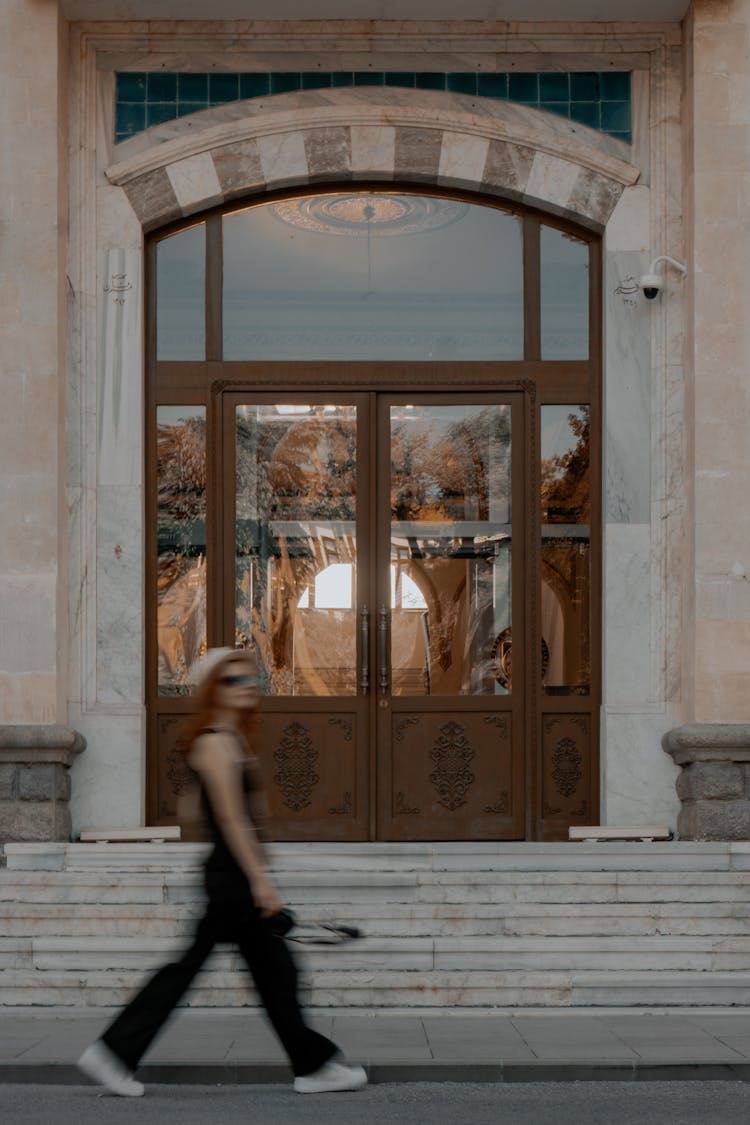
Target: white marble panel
x,y
627,614
119,596
195,181
629,227
638,778
373,148
627,393
463,157
283,157
120,366
116,221
108,779
76,595
551,180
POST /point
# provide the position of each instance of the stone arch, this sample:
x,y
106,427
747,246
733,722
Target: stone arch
x,y
376,134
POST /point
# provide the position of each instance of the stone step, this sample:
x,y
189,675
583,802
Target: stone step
x,y
391,955
87,920
400,919
475,953
490,856
497,924
369,989
388,954
318,885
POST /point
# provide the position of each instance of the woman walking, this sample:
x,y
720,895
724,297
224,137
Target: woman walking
x,y
242,901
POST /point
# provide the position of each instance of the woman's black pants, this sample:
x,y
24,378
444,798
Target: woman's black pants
x,y
228,918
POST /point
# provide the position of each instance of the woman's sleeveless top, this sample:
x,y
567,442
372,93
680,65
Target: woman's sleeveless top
x,y
221,858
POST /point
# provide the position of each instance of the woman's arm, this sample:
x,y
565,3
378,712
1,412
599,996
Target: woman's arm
x,y
214,758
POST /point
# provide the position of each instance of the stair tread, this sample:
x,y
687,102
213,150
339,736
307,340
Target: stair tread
x,y
512,924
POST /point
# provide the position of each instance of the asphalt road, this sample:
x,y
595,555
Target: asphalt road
x,y
568,1103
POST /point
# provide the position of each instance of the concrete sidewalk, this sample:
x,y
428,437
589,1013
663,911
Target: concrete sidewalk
x,y
40,1045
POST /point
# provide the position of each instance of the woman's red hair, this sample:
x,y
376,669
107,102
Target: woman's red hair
x,y
206,701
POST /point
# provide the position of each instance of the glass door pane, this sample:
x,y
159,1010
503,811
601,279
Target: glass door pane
x,y
450,500
180,546
296,545
566,550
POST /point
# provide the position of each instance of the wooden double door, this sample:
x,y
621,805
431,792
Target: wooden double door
x,y
384,555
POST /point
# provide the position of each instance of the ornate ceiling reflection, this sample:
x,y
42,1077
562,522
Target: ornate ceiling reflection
x,y
381,214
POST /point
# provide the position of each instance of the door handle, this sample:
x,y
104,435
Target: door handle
x,y
383,648
364,636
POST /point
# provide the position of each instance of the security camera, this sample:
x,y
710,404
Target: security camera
x,y
650,284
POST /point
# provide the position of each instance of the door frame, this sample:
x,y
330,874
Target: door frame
x,y
483,381
542,382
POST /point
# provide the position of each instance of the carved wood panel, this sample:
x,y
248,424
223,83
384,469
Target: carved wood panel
x,y
173,775
566,772
310,765
452,776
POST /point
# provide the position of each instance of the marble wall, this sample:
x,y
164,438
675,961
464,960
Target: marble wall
x,y
33,207
718,96
645,559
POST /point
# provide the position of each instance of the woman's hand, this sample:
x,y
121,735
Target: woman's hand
x,y
265,895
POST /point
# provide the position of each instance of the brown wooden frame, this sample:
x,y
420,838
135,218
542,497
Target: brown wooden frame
x,y
541,382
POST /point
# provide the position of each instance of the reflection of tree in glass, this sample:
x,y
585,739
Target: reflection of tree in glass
x,y
312,470
442,471
565,477
181,470
181,499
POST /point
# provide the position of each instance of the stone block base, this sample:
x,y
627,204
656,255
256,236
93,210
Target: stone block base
x,y
714,785
35,782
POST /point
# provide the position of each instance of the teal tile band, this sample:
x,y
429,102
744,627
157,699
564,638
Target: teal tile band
x,y
600,100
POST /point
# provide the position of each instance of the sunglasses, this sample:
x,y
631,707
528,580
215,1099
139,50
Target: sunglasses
x,y
240,681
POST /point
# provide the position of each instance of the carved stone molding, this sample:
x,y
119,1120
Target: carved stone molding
x,y
35,781
430,137
714,784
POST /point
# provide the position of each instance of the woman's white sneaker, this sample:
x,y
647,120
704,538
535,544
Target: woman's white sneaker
x,y
104,1067
331,1076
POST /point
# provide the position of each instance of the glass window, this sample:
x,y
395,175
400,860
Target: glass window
x,y
179,93
296,545
450,549
564,295
180,295
181,544
566,550
373,276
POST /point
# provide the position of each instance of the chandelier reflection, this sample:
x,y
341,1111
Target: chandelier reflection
x,y
381,213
